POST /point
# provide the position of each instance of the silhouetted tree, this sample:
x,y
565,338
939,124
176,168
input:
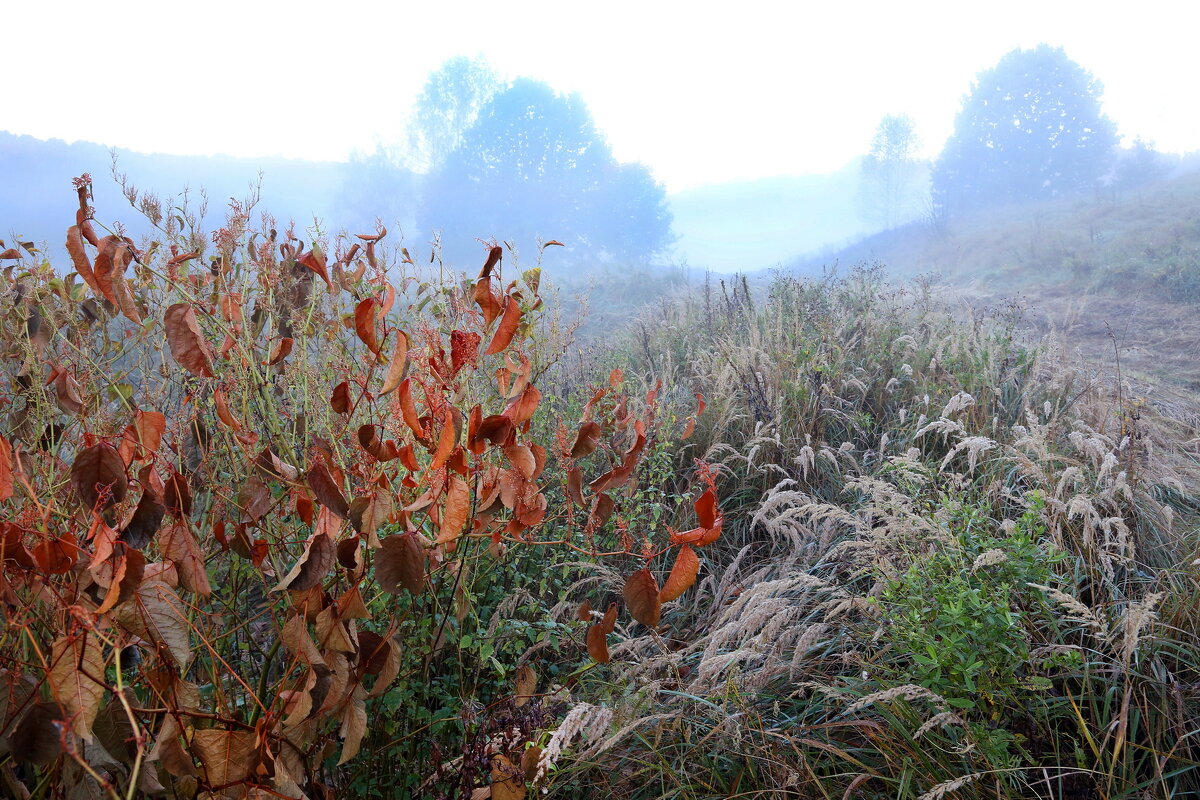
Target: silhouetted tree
x,y
890,182
1031,128
533,165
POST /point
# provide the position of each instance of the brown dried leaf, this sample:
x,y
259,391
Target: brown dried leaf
x,y
76,678
400,564
641,596
683,574
98,477
186,340
312,566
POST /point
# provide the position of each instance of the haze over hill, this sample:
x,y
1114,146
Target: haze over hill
x,y
728,227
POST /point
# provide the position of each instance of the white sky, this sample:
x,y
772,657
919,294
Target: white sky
x,y
700,92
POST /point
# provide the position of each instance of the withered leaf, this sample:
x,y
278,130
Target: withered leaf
x,y
312,566
641,596
98,477
188,345
683,574
400,564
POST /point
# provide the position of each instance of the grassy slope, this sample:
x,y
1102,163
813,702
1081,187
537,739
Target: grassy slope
x,y
1124,264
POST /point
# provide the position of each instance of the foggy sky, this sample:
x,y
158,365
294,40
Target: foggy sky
x,y
700,96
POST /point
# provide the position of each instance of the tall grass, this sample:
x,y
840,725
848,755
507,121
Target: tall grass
x,y
954,564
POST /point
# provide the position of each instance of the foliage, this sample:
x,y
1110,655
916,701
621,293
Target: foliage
x,y
1031,128
263,493
533,165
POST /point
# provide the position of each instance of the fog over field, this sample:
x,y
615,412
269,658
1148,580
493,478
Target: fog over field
x,y
496,401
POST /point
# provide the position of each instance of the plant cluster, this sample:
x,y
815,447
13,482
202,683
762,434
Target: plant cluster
x,y
269,503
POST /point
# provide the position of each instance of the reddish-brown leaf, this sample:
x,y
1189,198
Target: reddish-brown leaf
x,y
186,340
98,477
56,555
683,574
464,350
641,596
521,457
597,635
280,350
326,489
706,509
364,323
575,486
446,441
340,400
586,440
400,564
79,258
223,413
507,329
312,566
495,253
584,612
6,469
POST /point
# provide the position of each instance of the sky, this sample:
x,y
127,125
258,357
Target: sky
x,y
701,93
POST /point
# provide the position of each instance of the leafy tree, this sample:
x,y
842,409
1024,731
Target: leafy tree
x,y
534,165
1031,128
890,179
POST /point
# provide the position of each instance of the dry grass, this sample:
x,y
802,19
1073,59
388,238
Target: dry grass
x,y
907,484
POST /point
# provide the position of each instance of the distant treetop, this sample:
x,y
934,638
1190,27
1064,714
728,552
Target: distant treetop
x,y
1030,128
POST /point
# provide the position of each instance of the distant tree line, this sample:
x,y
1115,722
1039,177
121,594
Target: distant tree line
x,y
1030,128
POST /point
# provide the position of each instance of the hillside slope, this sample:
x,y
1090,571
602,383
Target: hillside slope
x,y
1119,273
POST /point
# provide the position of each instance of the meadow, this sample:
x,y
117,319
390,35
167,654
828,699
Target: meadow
x,y
296,513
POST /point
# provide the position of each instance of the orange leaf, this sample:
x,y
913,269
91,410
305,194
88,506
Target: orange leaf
x,y
507,328
458,507
486,299
408,409
683,574
597,635
399,364
364,324
641,596
521,409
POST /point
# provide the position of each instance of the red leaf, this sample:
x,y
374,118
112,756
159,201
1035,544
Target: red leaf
x,y
340,401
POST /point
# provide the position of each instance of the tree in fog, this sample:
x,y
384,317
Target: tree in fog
x,y
1030,128
447,107
890,182
534,166
1141,164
